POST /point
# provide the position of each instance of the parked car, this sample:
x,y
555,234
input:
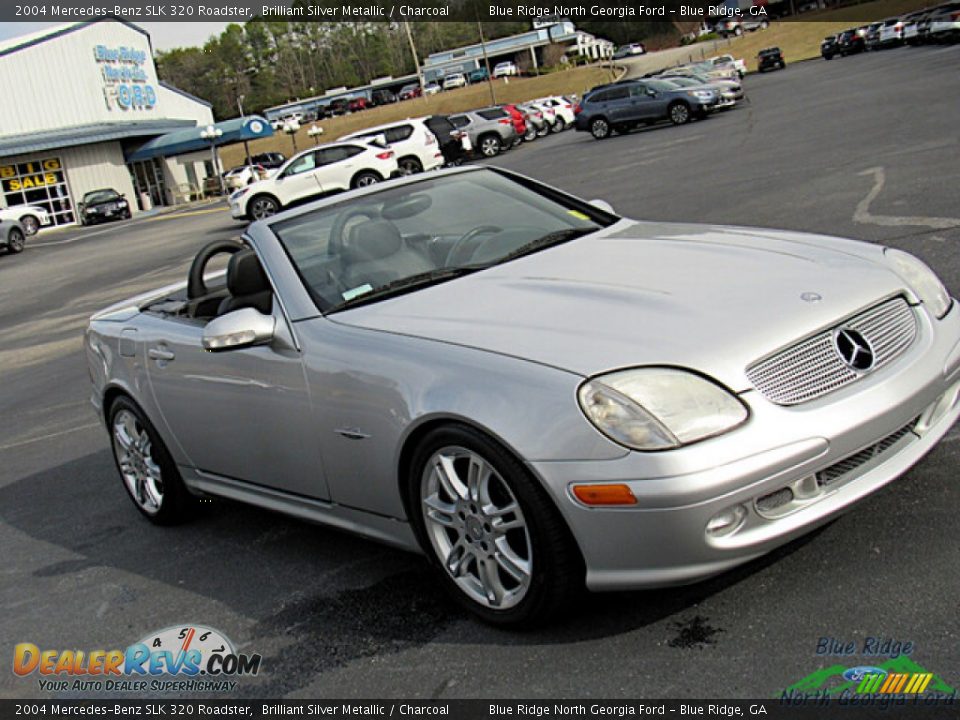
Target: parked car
x,y
382,97
564,116
519,119
357,104
770,58
851,42
872,36
408,92
730,90
488,130
536,394
243,175
728,97
505,69
268,160
478,75
911,27
737,64
12,236
318,171
738,26
629,50
416,147
340,106
537,125
454,80
431,89
891,33
945,23
829,47
626,104
30,217
103,205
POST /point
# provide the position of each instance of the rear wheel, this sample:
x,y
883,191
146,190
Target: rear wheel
x,y
30,225
495,537
490,145
149,473
531,133
543,130
679,113
600,128
409,166
559,126
365,178
263,206
15,241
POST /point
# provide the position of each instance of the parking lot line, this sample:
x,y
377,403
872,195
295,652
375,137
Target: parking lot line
x,y
863,215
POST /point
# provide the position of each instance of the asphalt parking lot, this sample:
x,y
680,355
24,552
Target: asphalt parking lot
x,y
865,147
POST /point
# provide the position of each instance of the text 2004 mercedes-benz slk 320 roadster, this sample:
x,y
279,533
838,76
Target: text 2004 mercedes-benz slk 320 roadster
x,y
534,392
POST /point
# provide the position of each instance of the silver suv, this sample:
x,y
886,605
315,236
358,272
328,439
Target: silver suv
x,y
490,130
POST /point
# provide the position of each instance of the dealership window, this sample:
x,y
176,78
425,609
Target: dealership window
x,y
40,181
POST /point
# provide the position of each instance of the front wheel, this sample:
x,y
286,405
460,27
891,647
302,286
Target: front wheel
x,y
365,178
559,126
531,133
600,128
31,226
497,540
263,206
15,241
149,473
490,146
679,113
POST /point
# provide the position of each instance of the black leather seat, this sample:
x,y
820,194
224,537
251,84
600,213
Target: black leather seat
x,y
376,254
247,284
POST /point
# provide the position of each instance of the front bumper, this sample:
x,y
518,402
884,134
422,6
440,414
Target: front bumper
x,y
662,540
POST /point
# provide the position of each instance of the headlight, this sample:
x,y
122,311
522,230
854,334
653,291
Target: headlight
x,y
659,408
239,193
702,94
922,280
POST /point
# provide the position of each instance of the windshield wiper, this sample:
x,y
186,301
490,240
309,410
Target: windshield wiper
x,y
406,284
545,241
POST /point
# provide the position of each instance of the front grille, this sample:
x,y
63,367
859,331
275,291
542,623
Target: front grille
x,y
848,465
812,368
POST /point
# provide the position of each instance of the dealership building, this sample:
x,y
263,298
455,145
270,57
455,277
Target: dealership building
x,y
84,109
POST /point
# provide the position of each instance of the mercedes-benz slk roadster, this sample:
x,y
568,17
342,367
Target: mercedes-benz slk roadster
x,y
534,392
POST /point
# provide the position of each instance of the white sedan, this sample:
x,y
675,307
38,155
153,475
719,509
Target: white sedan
x,y
317,171
31,217
454,80
505,69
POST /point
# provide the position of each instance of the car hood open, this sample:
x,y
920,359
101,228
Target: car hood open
x,y
709,298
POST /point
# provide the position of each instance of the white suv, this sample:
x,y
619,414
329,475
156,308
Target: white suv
x,y
505,69
562,109
32,217
416,147
317,171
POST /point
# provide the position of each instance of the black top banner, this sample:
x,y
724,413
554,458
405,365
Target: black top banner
x,y
426,10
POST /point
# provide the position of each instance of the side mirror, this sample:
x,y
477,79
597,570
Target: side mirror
x,y
603,205
238,329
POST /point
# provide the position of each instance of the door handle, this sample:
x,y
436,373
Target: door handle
x,y
160,355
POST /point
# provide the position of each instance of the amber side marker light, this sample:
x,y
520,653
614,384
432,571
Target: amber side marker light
x,y
604,495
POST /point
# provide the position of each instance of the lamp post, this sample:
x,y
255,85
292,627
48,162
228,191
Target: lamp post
x,y
290,128
246,144
315,132
211,133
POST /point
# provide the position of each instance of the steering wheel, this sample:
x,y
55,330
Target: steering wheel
x,y
469,235
335,246
196,287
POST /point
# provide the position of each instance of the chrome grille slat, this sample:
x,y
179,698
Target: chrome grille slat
x,y
811,368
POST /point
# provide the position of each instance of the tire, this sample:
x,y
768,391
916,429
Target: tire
x,y
600,128
531,134
409,166
679,113
365,178
828,57
543,131
738,31
15,241
783,65
559,126
490,145
500,546
31,226
262,206
146,468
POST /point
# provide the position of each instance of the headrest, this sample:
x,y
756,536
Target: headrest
x,y
372,240
245,275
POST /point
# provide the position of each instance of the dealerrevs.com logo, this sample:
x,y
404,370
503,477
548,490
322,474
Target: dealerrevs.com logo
x,y
182,658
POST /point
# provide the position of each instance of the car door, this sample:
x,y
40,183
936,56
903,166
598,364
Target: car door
x,y
298,180
617,104
337,166
241,414
643,105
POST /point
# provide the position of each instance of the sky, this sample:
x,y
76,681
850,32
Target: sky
x,y
165,35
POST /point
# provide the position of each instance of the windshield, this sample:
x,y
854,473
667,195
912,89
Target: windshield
x,y
99,196
403,238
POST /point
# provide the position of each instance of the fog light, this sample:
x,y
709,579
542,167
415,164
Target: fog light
x,y
726,522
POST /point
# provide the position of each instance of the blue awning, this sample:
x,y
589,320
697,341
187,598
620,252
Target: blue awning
x,y
179,142
86,135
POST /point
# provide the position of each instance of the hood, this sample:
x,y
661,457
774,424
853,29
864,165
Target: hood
x,y
709,298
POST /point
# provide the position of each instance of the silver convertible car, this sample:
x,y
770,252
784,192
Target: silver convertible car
x,y
534,392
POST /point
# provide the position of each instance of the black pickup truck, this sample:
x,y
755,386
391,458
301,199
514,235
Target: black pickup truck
x,y
770,57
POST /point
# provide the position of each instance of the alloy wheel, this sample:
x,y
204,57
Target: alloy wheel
x,y
600,128
15,241
490,146
476,527
409,166
366,180
140,472
30,225
263,208
679,114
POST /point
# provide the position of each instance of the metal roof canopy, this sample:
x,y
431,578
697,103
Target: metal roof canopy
x,y
251,127
85,135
